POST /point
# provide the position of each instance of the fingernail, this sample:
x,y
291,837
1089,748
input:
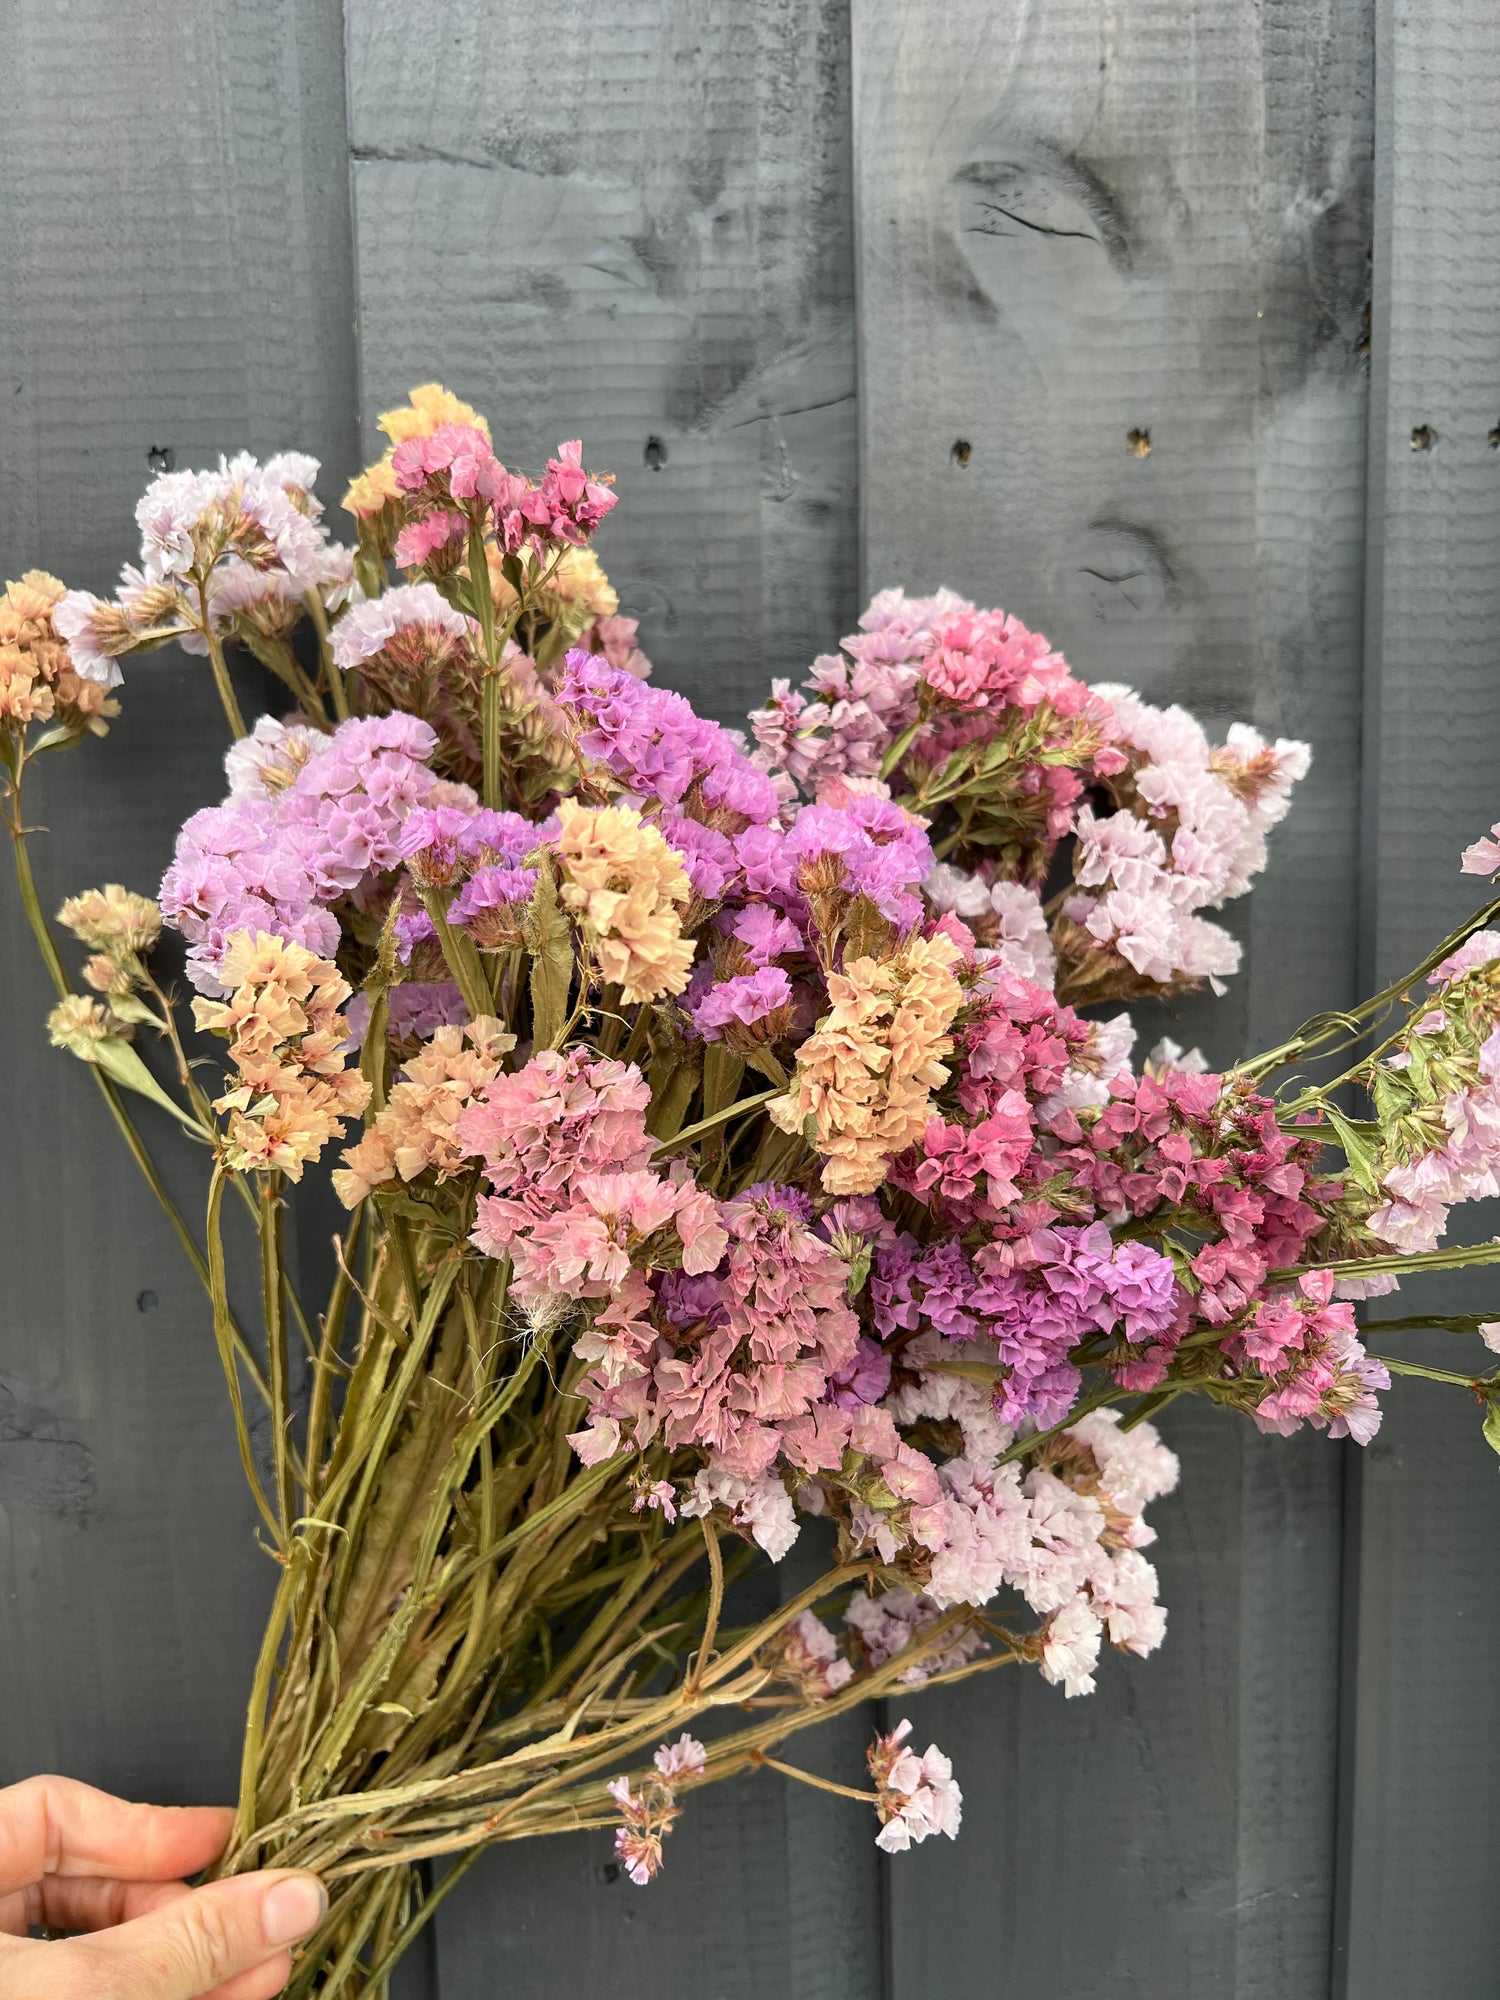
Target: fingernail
x,y
293,1908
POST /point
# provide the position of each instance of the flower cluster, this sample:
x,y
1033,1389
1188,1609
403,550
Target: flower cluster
x,y
650,1813
286,1041
751,1137
40,681
236,552
914,1796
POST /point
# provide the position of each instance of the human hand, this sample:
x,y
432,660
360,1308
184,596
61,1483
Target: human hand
x,y
74,1859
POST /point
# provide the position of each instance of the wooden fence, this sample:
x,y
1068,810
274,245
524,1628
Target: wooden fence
x,y
1174,326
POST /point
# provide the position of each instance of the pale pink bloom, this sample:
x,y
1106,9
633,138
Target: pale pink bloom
x,y
1482,858
1070,1647
916,1796
686,1758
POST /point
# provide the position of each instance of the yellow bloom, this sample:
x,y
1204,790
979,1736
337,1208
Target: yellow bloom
x,y
426,408
864,1078
625,887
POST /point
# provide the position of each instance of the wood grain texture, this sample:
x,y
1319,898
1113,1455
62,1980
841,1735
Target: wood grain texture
x,y
1077,222
634,225
1421,1802
638,227
176,248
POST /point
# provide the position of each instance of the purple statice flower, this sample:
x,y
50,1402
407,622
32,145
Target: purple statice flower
x,y
659,748
707,854
279,862
414,1011
414,927
885,852
504,837
949,1285
741,1001
865,1379
429,844
490,904
764,933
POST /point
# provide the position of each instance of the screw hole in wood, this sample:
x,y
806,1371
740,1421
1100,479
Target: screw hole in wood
x,y
1423,438
1138,443
654,457
962,451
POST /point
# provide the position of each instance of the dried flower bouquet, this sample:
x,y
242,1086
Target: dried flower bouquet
x,y
723,1151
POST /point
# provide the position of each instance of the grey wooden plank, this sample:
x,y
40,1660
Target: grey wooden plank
x,y
176,246
634,225
638,226
1075,223
1421,1801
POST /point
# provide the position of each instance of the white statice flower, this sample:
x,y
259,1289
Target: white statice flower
x,y
762,1506
1022,943
931,1392
915,1796
1070,1647
266,761
417,607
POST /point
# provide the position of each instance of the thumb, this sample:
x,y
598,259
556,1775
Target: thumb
x,y
192,1945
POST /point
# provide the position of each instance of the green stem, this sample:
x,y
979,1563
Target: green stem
x,y
484,605
41,931
272,1299
218,1292
221,669
331,673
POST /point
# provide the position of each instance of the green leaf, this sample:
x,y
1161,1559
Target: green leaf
x,y
550,938
1492,1427
120,1062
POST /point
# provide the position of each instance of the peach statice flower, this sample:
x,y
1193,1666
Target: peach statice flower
x,y
39,680
625,887
863,1086
82,1026
120,928
417,1133
915,1796
287,1039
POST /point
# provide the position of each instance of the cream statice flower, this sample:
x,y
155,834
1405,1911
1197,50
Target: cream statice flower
x,y
626,889
417,1130
864,1079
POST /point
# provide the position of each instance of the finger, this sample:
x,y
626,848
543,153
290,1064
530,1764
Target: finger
x,y
56,1826
261,1982
94,1903
198,1942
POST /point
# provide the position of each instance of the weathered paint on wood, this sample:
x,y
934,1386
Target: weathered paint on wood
x,y
1086,229
633,223
176,250
1421,1793
1074,222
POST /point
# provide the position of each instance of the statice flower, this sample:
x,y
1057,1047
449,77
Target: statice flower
x,y
41,679
807,1657
886,1625
417,1131
287,1039
915,1796
658,748
864,1079
625,889
280,856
